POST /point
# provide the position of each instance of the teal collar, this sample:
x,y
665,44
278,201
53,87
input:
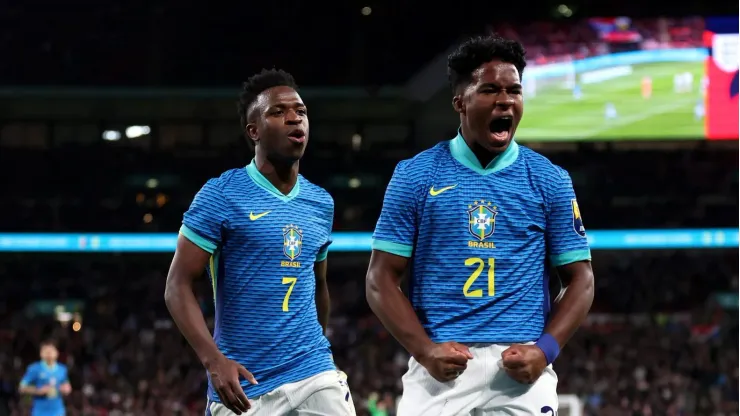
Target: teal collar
x,y
48,367
263,183
462,153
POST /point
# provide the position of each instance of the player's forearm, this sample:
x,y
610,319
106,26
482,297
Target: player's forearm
x,y
394,310
30,390
323,304
186,313
570,312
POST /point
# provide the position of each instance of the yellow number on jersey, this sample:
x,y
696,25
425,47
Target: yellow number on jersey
x,y
480,263
288,281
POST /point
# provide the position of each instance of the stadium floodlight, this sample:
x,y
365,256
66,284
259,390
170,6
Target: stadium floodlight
x,y
111,135
133,132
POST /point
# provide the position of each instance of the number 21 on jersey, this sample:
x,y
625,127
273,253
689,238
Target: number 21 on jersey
x,y
480,265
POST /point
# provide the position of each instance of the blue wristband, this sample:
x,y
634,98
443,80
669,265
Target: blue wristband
x,y
549,346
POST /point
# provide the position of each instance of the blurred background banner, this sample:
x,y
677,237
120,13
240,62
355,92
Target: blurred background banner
x,y
356,241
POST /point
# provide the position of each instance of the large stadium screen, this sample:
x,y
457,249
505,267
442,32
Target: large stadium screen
x,y
622,78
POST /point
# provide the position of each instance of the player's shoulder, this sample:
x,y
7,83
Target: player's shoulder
x,y
34,366
315,191
218,188
540,166
424,161
228,179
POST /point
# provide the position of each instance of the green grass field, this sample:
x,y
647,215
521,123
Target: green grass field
x,y
553,114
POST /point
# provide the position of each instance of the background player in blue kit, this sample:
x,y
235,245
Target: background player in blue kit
x,y
481,219
46,381
262,231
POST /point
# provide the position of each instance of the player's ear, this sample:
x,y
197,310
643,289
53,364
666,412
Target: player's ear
x,y
252,134
458,104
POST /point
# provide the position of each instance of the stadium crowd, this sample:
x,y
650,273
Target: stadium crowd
x,y
553,41
657,342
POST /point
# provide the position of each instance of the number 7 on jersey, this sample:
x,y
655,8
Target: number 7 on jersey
x,y
288,281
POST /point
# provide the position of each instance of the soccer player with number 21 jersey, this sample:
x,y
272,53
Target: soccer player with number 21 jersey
x,y
481,221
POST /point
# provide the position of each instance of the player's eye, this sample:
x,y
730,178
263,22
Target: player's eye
x,y
301,111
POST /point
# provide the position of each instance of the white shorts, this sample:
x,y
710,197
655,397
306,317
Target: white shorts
x,y
325,394
483,389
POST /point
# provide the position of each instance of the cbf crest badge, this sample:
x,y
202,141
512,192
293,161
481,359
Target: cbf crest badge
x,y
577,219
482,219
292,241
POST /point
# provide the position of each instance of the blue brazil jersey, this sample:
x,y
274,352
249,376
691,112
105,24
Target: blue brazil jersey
x,y
480,239
264,245
40,374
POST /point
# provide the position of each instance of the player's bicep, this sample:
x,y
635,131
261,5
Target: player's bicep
x,y
29,378
204,221
565,234
574,271
189,262
397,225
385,268
319,269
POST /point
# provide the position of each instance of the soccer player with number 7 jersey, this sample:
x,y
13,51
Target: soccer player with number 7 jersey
x,y
262,231
480,220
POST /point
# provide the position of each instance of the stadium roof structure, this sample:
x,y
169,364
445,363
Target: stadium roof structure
x,y
172,43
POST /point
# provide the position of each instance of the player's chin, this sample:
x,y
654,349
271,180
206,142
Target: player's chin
x,y
294,153
497,142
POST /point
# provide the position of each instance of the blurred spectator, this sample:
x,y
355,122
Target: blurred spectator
x,y
671,350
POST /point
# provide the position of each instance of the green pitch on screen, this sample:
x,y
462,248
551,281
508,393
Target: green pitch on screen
x,y
554,114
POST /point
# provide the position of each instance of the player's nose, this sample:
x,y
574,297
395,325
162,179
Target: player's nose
x,y
293,118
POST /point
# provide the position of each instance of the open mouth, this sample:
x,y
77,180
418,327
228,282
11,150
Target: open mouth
x,y
297,135
500,127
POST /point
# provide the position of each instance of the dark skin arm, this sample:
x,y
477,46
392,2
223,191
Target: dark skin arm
x,y
382,285
323,302
525,363
188,265
569,313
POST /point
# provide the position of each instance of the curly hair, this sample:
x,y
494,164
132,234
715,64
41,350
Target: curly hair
x,y
255,85
476,51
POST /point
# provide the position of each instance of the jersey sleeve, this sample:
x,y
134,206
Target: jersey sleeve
x,y
29,378
207,216
324,250
565,234
64,378
396,228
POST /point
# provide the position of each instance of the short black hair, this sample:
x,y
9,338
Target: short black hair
x,y
478,50
48,343
255,85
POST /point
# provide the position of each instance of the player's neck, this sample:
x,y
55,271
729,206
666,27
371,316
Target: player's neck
x,y
49,363
484,156
282,176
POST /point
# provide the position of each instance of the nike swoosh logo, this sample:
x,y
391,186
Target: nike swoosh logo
x,y
258,216
435,192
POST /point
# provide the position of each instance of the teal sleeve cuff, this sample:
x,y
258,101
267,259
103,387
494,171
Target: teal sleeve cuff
x,y
570,257
402,250
322,255
196,239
